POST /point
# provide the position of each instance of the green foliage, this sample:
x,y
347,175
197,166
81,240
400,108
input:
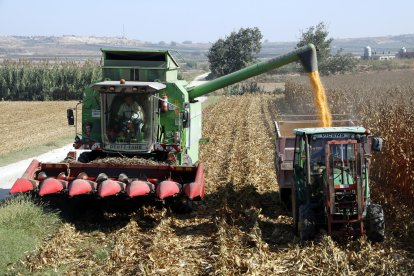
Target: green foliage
x,y
318,35
46,80
23,226
338,63
385,65
327,63
244,88
235,51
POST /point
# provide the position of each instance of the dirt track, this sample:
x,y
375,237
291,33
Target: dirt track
x,y
239,228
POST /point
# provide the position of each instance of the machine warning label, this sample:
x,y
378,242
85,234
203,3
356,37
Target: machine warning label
x,y
96,113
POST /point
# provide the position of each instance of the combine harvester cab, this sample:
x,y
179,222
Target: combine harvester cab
x,y
140,109
323,175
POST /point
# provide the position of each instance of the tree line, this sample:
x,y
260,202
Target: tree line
x,y
46,80
239,49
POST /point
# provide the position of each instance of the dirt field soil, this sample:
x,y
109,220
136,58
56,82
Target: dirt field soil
x,y
27,124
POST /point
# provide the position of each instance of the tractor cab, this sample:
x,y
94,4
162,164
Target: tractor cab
x,y
331,175
129,119
321,150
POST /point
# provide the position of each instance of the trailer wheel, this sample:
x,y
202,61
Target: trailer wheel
x,y
306,223
374,223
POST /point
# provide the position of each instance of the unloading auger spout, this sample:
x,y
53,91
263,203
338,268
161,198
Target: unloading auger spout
x,y
306,55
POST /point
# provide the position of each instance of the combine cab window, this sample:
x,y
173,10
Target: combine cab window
x,y
128,121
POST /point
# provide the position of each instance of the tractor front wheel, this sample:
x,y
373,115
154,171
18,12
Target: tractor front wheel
x,y
374,223
306,222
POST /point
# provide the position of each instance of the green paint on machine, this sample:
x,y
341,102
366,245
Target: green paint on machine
x,y
141,108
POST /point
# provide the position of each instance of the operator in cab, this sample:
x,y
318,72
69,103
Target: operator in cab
x,y
130,108
132,116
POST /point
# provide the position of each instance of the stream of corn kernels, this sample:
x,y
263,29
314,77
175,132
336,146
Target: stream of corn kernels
x,y
319,98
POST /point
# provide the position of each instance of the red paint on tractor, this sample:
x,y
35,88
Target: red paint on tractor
x,y
25,184
139,188
167,188
81,187
196,188
110,187
81,178
52,186
22,185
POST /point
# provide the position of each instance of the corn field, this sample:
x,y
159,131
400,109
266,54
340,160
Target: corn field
x,y
46,80
240,227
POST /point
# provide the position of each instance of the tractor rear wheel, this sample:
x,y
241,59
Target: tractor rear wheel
x,y
306,222
374,223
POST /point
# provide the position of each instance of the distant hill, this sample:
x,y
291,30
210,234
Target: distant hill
x,y
379,44
82,48
354,46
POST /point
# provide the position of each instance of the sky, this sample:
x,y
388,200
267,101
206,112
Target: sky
x,y
204,21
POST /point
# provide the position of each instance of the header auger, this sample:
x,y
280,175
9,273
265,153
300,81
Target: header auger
x,y
140,109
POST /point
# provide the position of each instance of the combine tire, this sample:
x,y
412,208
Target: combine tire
x,y
374,223
306,223
181,206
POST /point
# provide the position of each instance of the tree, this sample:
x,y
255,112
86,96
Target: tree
x,y
338,63
318,35
235,51
327,63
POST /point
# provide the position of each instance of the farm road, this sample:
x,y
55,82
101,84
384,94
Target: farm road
x,y
9,173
